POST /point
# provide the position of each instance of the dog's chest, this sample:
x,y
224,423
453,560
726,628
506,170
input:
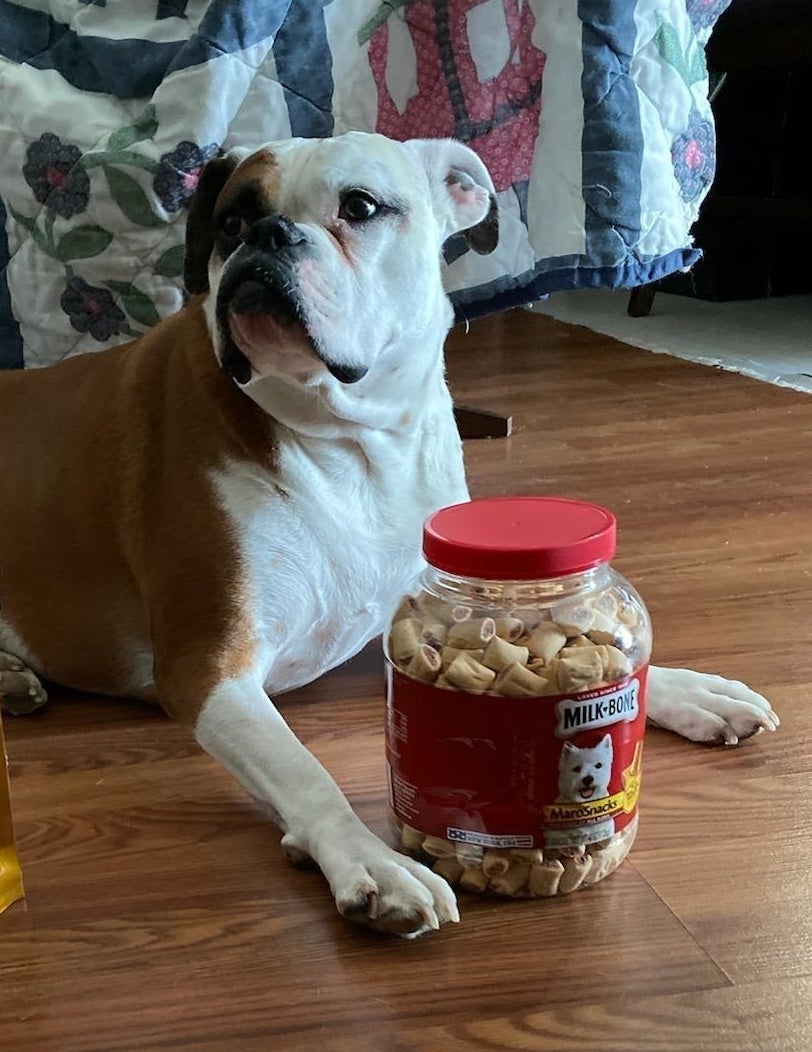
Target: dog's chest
x,y
329,544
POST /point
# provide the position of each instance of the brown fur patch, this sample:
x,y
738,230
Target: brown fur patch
x,y
111,537
259,171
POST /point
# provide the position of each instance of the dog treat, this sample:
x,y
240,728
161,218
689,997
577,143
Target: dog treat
x,y
449,868
471,634
434,633
582,670
527,662
513,880
496,863
533,855
573,618
616,665
517,681
425,664
545,877
545,641
469,854
607,630
510,628
447,655
576,870
438,848
404,639
411,839
474,879
469,674
406,608
500,654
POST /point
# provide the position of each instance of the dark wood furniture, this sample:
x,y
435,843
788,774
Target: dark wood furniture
x,y
755,225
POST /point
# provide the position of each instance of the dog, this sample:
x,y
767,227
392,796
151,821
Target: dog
x,y
585,773
232,504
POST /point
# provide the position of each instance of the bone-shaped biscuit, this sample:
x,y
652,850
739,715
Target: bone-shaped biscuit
x,y
469,674
499,654
472,634
545,641
425,664
404,639
512,880
545,877
518,681
576,870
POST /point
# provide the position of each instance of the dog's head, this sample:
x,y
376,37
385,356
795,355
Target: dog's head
x,y
321,257
583,773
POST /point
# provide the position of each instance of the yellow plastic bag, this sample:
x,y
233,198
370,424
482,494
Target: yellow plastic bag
x,y
11,881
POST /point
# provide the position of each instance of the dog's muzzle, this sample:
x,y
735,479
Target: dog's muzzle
x,y
260,279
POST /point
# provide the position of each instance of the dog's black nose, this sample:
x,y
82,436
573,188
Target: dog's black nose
x,y
588,779
347,374
273,233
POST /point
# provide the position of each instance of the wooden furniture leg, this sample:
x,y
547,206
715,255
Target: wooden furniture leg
x,y
641,299
481,423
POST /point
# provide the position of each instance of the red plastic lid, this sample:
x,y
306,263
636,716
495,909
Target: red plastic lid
x,y
519,538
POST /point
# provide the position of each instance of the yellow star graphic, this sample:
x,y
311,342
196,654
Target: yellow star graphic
x,y
631,779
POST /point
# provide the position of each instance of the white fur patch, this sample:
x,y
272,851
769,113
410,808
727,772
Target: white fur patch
x,y
332,540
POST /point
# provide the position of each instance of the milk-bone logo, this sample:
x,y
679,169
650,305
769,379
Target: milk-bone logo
x,y
588,712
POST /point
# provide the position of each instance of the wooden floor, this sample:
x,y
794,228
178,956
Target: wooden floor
x,y
161,915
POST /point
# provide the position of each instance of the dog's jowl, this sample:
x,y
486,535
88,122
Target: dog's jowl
x,y
230,505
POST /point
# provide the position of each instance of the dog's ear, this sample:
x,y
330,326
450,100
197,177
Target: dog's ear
x,y
462,190
199,228
606,740
567,750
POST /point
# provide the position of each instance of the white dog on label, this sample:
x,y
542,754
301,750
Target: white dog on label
x,y
584,774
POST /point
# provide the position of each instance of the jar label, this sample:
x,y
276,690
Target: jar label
x,y
484,769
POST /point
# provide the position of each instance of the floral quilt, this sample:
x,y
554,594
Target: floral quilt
x,y
592,116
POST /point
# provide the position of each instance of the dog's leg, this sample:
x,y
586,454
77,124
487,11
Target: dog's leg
x,y
706,708
20,690
372,884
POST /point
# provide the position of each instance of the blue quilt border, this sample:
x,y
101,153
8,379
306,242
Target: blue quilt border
x,y
11,342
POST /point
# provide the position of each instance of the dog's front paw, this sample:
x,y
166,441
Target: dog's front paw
x,y
707,708
375,886
20,690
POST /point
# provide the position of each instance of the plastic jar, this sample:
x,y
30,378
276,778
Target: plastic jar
x,y
516,679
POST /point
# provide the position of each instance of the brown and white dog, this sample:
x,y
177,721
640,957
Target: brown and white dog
x,y
232,504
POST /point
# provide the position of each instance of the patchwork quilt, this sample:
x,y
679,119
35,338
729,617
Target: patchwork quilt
x,y
592,116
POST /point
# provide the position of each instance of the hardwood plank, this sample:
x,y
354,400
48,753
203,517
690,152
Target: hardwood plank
x,y
763,1017
161,914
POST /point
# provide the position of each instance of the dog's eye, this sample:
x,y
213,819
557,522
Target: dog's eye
x,y
598,766
232,224
357,206
577,769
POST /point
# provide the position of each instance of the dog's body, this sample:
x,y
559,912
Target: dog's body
x,y
193,485
169,533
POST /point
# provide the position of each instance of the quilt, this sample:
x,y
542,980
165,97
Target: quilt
x,y
592,116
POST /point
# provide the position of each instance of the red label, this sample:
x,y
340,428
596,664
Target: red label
x,y
515,772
